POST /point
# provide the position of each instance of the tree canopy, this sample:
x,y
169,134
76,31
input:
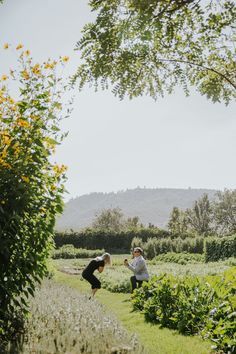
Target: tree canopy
x,y
216,217
113,220
150,47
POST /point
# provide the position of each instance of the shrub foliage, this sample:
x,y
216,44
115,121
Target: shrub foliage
x,y
220,248
70,252
31,186
193,305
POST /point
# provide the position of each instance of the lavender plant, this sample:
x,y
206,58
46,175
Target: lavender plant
x,y
63,321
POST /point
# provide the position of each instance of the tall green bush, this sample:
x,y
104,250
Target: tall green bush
x,y
155,246
70,252
136,242
31,186
220,248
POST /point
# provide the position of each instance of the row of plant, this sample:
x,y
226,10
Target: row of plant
x,y
77,325
154,246
111,241
117,278
213,248
70,252
193,305
154,242
219,248
180,258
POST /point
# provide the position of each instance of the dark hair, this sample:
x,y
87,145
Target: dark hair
x,y
138,249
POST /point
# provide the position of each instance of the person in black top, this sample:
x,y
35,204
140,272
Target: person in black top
x,y
96,264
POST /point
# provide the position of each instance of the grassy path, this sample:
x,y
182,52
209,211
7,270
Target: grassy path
x,y
154,339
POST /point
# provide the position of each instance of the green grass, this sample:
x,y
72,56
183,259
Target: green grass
x,y
154,339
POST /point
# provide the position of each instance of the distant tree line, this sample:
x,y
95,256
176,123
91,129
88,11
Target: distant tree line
x,y
187,230
217,217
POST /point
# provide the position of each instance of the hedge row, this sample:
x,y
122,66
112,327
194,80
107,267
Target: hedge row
x,y
154,242
70,252
153,247
219,248
111,242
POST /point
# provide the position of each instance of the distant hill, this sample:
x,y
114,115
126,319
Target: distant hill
x,y
150,205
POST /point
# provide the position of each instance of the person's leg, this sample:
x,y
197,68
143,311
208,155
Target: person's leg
x,y
96,284
139,282
133,283
94,291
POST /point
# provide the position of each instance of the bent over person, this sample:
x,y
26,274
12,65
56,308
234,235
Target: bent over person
x,y
96,264
138,267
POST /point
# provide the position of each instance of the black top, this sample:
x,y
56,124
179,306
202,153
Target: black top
x,y
92,266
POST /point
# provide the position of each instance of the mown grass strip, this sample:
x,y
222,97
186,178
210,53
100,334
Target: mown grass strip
x,y
155,339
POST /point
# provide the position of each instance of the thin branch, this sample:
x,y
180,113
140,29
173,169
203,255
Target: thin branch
x,y
201,66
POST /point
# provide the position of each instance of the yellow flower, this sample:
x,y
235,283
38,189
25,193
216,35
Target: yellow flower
x,y
4,153
65,59
14,108
50,65
16,148
19,46
25,179
7,139
4,164
4,77
36,69
6,46
27,52
59,169
47,66
16,145
16,151
25,75
23,123
10,100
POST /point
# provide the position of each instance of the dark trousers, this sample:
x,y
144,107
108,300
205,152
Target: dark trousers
x,y
135,283
95,283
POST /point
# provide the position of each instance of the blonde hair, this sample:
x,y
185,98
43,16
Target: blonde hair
x,y
105,257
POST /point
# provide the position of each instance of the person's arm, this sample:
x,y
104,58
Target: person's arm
x,y
100,269
137,268
101,265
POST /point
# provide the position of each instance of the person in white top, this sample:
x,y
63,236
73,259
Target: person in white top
x,y
138,267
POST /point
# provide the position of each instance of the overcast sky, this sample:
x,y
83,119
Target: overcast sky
x,y
175,142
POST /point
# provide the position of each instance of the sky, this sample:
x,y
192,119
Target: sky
x,y
174,142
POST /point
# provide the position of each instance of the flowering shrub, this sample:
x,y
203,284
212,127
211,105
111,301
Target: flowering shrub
x,y
31,186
